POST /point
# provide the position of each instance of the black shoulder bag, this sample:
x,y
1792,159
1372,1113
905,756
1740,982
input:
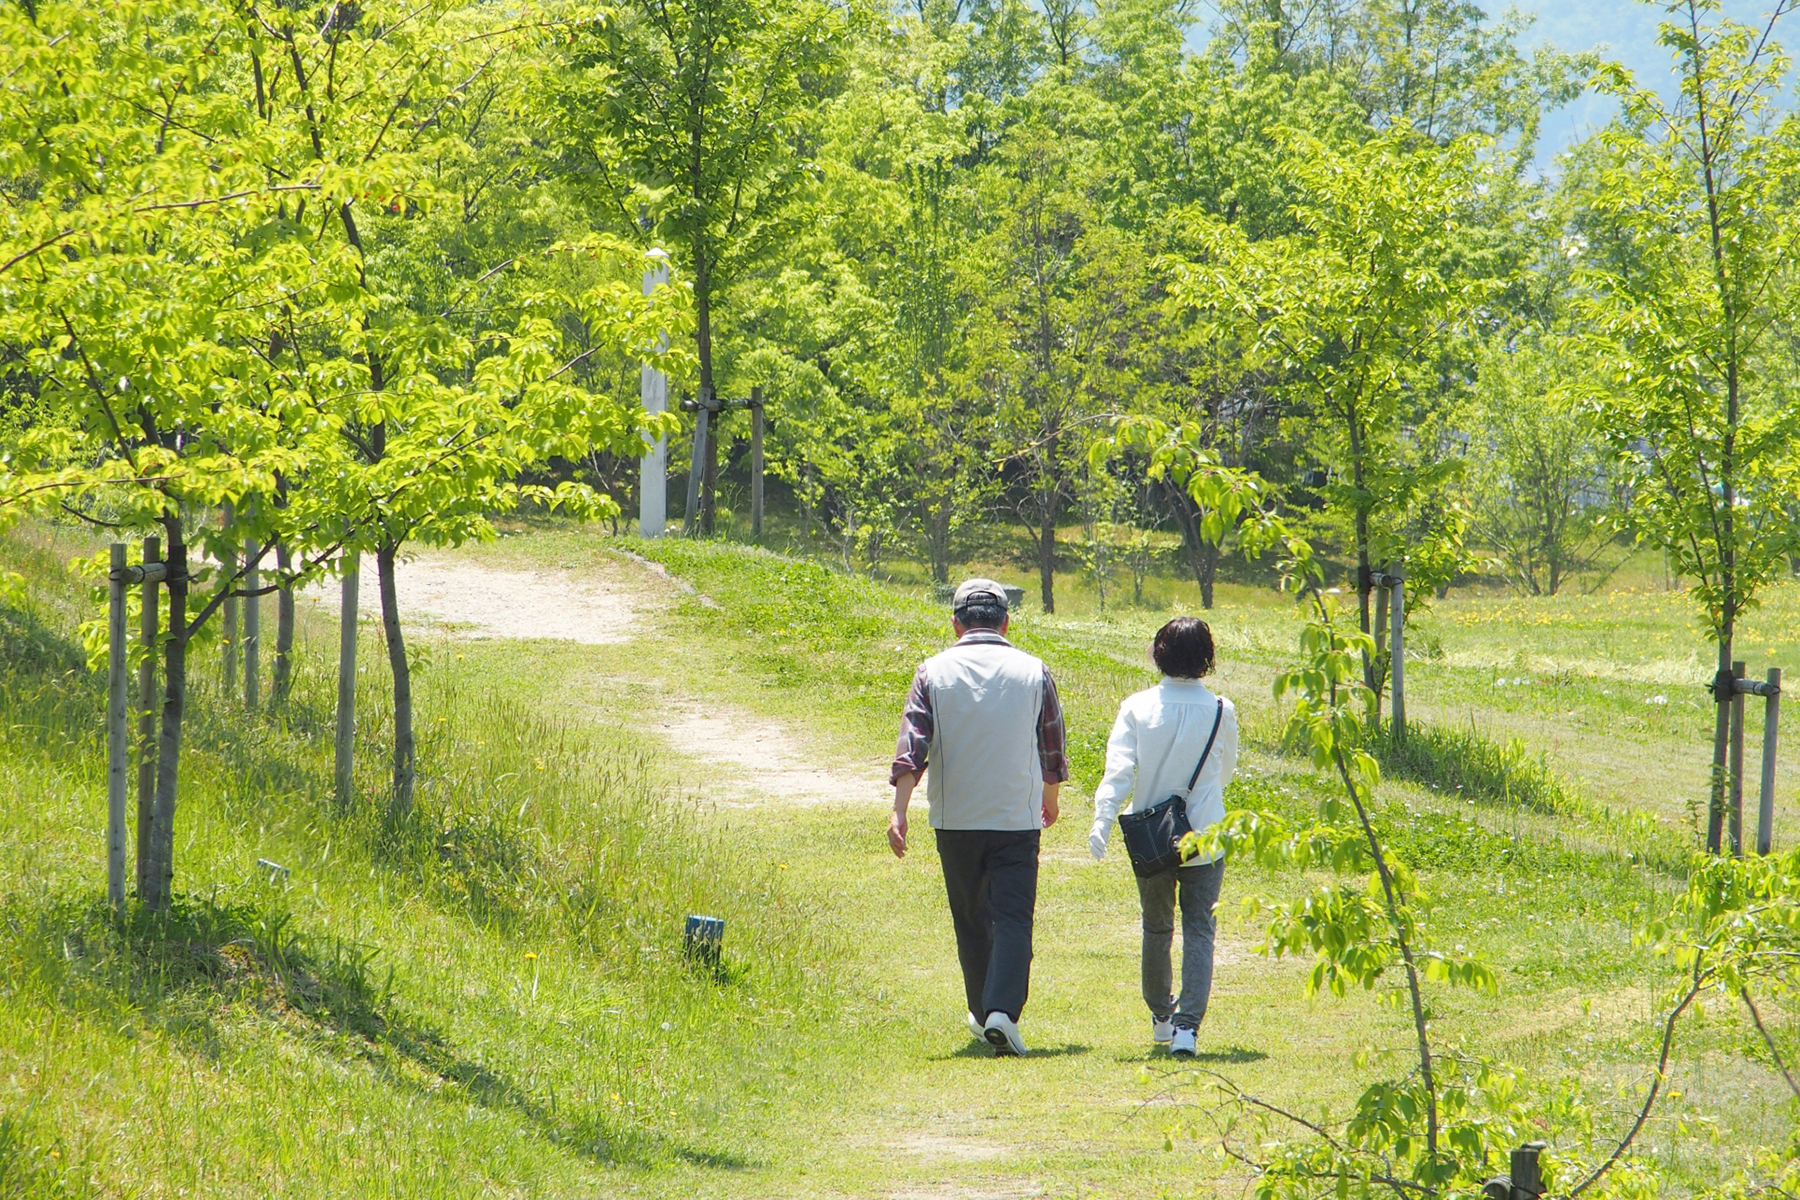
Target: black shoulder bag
x,y
1153,837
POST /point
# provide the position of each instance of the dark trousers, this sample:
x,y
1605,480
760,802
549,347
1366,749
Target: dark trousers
x,y
990,877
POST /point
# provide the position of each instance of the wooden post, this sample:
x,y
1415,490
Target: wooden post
x,y
146,780
116,748
1765,808
1378,629
344,762
160,873
756,464
252,628
1397,654
653,468
709,480
284,628
1735,814
228,634
690,520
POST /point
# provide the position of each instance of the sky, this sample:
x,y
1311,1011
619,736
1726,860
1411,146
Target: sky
x,y
1625,30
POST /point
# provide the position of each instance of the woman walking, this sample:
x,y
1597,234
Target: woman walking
x,y
1176,739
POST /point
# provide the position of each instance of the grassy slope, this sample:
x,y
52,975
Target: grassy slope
x,y
255,1047
850,1079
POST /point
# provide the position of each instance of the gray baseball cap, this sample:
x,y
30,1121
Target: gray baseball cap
x,y
978,591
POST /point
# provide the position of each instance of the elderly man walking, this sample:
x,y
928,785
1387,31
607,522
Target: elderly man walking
x,y
984,717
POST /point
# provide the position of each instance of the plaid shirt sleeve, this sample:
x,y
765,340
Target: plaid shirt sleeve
x,y
1052,756
916,728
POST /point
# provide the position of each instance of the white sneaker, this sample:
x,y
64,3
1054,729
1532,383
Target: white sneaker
x,y
1003,1035
976,1029
1183,1046
1162,1030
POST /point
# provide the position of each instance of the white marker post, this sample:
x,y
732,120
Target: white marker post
x,y
653,468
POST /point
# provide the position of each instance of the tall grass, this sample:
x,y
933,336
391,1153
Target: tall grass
x,y
488,995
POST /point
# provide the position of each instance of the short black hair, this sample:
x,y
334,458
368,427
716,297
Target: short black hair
x,y
1183,648
983,614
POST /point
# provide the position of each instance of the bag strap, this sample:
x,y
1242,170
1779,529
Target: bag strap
x,y
1217,718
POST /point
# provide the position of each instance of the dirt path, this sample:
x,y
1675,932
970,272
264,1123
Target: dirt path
x,y
751,760
489,602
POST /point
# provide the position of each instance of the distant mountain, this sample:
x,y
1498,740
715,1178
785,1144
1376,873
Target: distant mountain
x,y
1626,31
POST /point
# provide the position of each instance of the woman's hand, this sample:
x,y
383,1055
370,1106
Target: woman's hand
x,y
1097,843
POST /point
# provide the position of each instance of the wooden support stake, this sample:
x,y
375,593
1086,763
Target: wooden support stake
x,y
1397,654
756,464
228,634
1735,813
284,629
344,762
146,780
709,480
252,628
1765,807
117,752
690,520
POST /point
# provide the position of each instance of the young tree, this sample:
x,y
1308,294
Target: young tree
x,y
1352,309
439,403
145,276
1700,192
689,115
1064,295
1543,496
189,293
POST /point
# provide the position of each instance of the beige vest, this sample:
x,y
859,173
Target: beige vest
x,y
984,768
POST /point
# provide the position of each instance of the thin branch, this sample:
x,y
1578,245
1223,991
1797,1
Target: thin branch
x,y
1700,980
83,483
1769,1042
79,515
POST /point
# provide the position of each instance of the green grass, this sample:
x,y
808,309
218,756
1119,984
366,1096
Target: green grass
x,y
375,1018
490,997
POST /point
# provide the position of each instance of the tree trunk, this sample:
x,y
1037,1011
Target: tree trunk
x,y
1047,553
160,876
938,534
1203,556
1364,572
284,630
404,759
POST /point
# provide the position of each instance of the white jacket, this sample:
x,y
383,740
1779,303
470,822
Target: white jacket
x,y
1155,743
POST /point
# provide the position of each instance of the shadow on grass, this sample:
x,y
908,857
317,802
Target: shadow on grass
x,y
983,1050
180,971
1228,1056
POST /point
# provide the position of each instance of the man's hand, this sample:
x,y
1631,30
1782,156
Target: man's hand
x,y
1097,842
903,790
1051,809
